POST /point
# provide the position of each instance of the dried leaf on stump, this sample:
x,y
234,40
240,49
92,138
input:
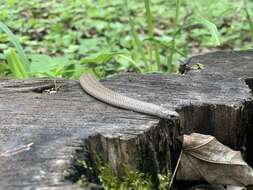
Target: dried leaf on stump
x,y
205,158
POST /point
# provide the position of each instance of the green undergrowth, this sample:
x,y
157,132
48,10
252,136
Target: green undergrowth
x,y
130,179
69,37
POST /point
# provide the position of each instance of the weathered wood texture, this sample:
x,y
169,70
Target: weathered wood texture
x,y
69,125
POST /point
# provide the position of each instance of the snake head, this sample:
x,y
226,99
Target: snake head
x,y
169,114
173,114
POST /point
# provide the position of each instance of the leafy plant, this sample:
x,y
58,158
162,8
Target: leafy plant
x,y
154,35
23,58
212,29
15,65
40,66
164,180
131,179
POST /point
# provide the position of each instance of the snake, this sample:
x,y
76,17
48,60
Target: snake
x,y
96,89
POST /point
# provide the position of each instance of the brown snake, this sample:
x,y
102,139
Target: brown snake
x,y
94,88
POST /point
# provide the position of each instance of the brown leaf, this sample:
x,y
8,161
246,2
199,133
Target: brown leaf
x,y
205,158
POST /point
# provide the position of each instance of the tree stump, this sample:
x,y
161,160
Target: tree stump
x,y
213,96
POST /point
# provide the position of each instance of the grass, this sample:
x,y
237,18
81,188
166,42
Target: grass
x,y
174,35
108,37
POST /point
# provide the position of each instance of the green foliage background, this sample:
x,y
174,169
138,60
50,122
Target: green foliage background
x,y
65,38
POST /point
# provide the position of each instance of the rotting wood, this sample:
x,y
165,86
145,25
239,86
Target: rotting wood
x,y
65,126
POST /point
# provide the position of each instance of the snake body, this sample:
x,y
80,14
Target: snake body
x,y
94,88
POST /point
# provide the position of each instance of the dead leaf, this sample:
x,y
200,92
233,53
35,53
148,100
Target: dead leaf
x,y
205,158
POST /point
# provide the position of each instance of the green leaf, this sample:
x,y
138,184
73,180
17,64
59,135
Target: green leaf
x,y
22,56
44,65
74,71
250,22
149,18
92,45
165,44
131,61
2,56
99,58
135,36
3,68
212,29
15,64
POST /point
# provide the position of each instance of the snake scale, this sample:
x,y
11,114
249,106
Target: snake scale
x,y
94,88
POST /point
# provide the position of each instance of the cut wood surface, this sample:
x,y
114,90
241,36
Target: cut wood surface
x,y
68,125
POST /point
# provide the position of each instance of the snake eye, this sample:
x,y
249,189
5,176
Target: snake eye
x,y
174,114
169,114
